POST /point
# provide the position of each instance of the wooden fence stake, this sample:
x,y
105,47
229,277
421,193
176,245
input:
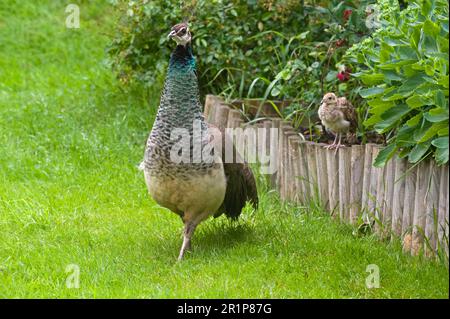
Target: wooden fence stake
x,y
357,178
304,172
398,199
221,116
431,206
232,116
286,156
295,165
389,176
333,181
419,220
312,170
367,192
408,206
443,209
211,104
345,155
379,201
322,178
274,150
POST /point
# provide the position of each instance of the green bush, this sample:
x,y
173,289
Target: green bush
x,y
228,54
310,62
288,50
404,68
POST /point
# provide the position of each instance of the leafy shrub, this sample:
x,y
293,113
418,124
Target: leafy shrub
x,y
310,62
267,49
228,53
404,67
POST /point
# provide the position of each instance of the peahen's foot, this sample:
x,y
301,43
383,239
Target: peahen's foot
x,y
333,146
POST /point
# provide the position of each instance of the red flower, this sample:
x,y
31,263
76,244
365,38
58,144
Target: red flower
x,y
347,14
344,76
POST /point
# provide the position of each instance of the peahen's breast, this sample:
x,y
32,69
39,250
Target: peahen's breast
x,y
197,192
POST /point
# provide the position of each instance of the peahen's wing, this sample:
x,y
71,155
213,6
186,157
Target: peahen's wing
x,y
349,112
241,184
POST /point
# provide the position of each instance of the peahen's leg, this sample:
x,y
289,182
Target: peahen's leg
x,y
189,228
332,146
338,144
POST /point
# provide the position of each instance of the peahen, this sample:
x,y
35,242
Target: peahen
x,y
193,189
338,115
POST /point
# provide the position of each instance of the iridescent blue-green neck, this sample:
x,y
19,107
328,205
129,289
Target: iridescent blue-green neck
x,y
182,58
180,101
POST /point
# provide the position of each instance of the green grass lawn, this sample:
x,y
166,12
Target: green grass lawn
x,y
71,138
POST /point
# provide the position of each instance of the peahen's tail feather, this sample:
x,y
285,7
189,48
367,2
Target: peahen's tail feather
x,y
241,184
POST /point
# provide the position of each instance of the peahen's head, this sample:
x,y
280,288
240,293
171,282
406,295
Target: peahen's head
x,y
329,98
180,33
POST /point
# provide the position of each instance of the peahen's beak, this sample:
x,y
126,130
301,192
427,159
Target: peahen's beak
x,y
171,34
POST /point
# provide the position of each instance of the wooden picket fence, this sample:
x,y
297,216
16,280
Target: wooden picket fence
x,y
400,200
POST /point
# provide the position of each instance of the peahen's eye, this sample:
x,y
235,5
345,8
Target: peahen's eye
x,y
182,31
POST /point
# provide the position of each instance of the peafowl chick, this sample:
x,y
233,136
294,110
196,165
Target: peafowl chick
x,y
193,189
337,115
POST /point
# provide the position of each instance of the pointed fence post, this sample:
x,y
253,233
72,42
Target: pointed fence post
x,y
304,173
333,181
367,191
221,116
322,178
357,179
312,170
443,218
232,116
295,186
211,104
345,155
432,204
389,176
408,206
398,200
419,220
287,130
274,150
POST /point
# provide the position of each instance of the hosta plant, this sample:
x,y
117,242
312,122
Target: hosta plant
x,y
404,70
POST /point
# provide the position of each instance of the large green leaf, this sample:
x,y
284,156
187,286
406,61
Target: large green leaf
x,y
412,122
440,142
385,155
371,92
431,28
418,152
417,100
391,116
436,115
432,131
395,95
371,121
405,136
412,83
441,156
395,64
443,132
440,100
392,75
372,79
379,102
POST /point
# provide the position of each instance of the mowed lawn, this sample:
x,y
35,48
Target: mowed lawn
x,y
71,196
